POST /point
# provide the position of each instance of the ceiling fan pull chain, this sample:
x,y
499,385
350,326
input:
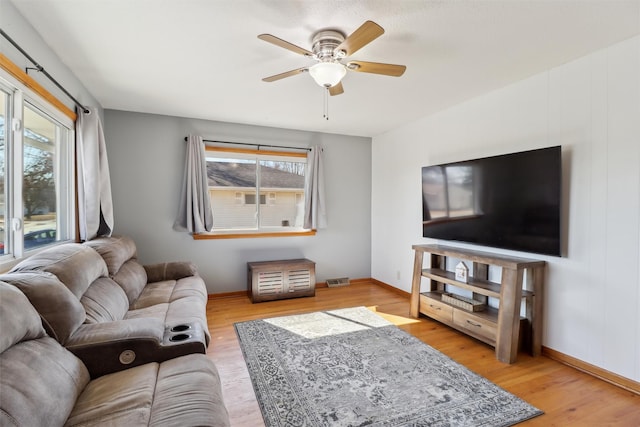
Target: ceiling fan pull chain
x,y
326,104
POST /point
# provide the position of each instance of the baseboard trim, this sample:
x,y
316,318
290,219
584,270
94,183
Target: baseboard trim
x,y
390,288
603,374
224,295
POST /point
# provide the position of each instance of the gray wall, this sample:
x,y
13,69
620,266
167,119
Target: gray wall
x,y
146,158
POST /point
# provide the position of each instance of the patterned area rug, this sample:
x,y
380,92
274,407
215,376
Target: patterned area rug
x,y
351,367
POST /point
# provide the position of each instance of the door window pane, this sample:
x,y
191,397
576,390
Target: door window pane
x,y
4,108
40,204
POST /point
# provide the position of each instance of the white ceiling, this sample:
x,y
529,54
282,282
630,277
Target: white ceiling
x,y
202,58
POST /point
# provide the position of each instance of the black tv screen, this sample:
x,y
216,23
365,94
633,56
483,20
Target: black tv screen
x,y
511,201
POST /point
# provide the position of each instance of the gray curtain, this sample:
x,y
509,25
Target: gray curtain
x,y
315,215
194,210
95,206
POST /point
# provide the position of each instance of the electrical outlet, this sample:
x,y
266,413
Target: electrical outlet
x,y
398,274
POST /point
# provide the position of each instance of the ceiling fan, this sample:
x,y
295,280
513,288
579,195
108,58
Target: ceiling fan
x,y
329,49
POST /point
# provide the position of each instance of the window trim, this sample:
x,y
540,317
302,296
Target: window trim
x,y
30,93
235,234
31,84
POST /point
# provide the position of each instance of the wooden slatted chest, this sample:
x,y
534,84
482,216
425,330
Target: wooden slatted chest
x,y
272,280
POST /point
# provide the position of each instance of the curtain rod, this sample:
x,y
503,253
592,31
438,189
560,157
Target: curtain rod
x,y
41,69
253,145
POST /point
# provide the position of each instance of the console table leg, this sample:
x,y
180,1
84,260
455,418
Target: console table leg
x,y
509,316
414,308
536,320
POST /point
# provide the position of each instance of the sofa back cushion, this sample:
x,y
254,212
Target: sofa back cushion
x,y
115,250
40,380
75,265
104,301
83,271
19,320
60,310
132,277
120,256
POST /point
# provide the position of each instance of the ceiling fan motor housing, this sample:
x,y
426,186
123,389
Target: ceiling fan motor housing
x,y
324,45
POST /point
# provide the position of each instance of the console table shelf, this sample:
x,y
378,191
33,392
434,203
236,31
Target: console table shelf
x,y
501,327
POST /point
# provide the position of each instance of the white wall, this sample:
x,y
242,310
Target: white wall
x,y
12,23
146,157
592,108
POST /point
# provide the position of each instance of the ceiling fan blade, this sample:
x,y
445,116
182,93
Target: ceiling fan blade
x,y
336,89
285,74
285,44
364,35
376,68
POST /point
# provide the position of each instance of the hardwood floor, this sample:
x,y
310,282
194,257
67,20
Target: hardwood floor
x,y
567,396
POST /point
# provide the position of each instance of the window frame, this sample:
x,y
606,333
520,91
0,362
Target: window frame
x,y
259,232
25,93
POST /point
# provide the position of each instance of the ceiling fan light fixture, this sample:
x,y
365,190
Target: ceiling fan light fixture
x,y
327,74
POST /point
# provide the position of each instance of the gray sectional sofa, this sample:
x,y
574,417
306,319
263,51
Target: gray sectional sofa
x,y
139,332
43,384
112,312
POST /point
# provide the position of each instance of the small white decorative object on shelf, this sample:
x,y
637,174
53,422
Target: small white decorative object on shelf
x,y
462,272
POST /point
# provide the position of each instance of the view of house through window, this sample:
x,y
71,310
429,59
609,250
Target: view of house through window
x,y
252,190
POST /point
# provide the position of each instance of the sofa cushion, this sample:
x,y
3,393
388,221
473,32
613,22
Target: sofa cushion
x,y
185,391
40,379
168,291
40,383
192,287
188,392
170,270
132,278
104,301
75,265
115,250
120,256
157,311
119,399
155,293
60,309
19,320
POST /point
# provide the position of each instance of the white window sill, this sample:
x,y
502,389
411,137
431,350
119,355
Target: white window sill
x,y
251,234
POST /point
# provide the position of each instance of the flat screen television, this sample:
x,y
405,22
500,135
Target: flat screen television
x,y
511,201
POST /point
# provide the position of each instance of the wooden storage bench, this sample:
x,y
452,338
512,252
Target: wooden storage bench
x,y
272,280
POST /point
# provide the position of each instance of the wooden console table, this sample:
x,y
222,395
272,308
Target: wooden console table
x,y
500,327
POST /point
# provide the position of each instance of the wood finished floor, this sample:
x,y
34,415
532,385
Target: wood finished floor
x,y
567,396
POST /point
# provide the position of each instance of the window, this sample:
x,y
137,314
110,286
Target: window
x,y
36,172
240,178
250,199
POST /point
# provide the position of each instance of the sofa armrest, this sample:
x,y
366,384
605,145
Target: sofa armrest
x,y
96,333
170,271
114,346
